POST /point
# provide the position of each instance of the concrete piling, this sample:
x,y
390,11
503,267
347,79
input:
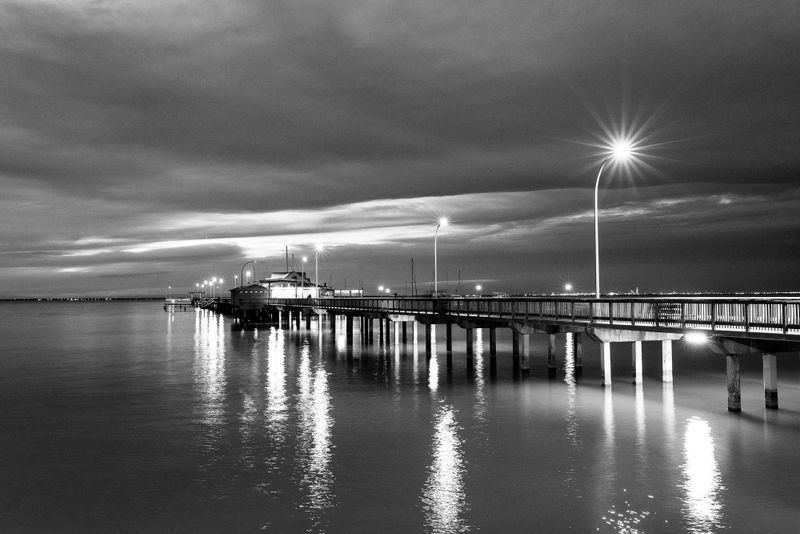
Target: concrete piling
x,y
770,369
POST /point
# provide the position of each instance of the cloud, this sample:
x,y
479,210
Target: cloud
x,y
188,132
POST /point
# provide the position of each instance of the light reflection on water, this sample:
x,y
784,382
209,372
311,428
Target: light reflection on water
x,y
480,382
201,429
443,497
314,438
209,368
276,409
702,505
570,416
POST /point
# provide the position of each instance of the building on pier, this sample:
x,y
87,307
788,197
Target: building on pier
x,y
291,285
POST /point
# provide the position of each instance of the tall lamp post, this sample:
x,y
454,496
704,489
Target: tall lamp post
x,y
442,222
303,276
620,151
245,265
317,251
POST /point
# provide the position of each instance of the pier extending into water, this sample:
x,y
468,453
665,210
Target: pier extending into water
x,y
733,327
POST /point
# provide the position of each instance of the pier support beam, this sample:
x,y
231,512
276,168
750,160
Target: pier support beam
x,y
470,349
308,320
405,332
551,356
515,352
770,365
636,356
428,340
448,332
666,361
578,354
734,383
605,362
349,329
525,365
380,331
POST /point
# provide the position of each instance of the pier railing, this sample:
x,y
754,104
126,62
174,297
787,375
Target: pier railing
x,y
768,316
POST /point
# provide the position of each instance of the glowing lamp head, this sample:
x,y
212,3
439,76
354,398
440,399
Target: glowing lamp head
x,y
443,221
380,288
478,287
388,290
567,287
622,150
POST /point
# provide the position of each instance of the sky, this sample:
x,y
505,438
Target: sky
x,y
147,146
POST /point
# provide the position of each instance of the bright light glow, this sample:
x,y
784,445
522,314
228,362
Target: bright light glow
x,y
622,149
696,338
380,288
478,287
319,248
220,280
388,290
567,287
305,259
443,221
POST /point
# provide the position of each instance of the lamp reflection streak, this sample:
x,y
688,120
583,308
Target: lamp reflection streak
x,y
314,440
209,368
570,417
480,382
702,486
276,411
443,498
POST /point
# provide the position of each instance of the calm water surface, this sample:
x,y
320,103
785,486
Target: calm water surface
x,y
119,417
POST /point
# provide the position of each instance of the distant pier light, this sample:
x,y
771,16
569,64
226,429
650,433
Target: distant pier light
x,y
567,287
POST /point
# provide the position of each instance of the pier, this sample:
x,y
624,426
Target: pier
x,y
732,327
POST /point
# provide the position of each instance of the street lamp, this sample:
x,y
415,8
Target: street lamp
x,y
317,251
303,276
442,222
621,150
248,272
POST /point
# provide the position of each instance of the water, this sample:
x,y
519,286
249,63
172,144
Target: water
x,y
119,417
